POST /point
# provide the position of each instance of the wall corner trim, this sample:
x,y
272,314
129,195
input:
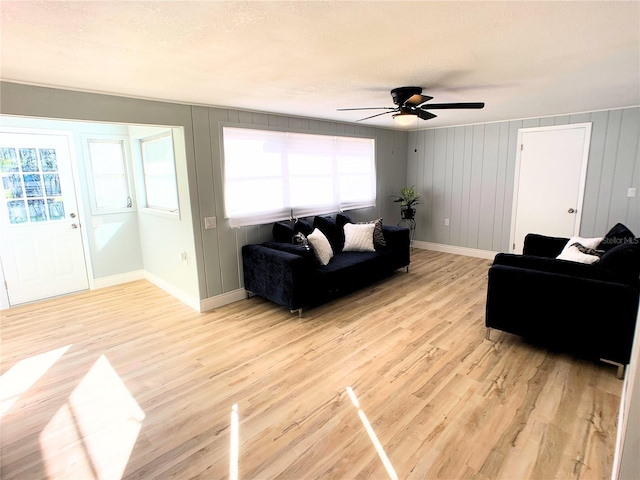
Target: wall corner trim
x,y
466,251
223,299
172,290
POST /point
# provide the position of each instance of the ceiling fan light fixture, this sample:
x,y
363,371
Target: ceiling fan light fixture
x,y
404,119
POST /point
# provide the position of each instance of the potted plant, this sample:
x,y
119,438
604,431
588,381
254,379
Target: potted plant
x,y
407,199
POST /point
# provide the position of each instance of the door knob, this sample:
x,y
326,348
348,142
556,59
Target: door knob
x,y
74,225
571,210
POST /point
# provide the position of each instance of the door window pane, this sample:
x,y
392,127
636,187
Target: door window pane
x,y
56,209
8,160
37,212
28,160
48,160
12,186
17,211
52,184
32,185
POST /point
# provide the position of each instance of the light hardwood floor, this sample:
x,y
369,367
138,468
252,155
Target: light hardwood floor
x,y
129,382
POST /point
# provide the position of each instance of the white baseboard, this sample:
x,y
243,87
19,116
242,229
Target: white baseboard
x,y
118,279
196,304
222,300
174,291
469,252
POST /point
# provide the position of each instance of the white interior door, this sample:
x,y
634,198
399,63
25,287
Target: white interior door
x,y
549,185
41,245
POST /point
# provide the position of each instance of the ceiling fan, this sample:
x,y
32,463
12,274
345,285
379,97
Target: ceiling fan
x,y
410,102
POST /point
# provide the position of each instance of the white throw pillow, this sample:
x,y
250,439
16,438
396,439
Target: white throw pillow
x,y
359,237
573,254
321,246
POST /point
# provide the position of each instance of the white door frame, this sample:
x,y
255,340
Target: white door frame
x,y
71,140
583,174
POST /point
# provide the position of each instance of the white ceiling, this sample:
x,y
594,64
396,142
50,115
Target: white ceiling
x,y
523,59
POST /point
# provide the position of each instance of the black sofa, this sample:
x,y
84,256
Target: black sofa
x,y
587,309
290,275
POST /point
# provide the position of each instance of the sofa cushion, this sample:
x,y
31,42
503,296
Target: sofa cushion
x,y
573,253
618,235
623,261
342,219
321,246
331,230
303,226
378,236
358,237
283,231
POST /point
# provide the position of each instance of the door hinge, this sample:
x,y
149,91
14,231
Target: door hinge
x,y
521,146
6,287
514,246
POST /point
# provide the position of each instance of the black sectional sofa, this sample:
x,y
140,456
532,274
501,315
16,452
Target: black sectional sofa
x,y
290,274
588,309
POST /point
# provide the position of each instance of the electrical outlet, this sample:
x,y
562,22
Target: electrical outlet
x,y
183,257
631,192
446,222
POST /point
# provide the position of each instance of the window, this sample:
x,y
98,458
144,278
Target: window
x,y
158,167
108,171
270,174
31,183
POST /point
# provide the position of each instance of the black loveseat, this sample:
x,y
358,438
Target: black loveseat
x,y
290,274
587,309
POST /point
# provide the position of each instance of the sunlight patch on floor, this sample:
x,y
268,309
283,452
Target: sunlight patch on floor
x,y
93,434
372,435
24,374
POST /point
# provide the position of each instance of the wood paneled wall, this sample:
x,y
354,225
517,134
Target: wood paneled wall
x,y
466,175
222,246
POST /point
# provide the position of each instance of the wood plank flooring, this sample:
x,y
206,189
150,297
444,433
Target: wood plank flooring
x,y
127,382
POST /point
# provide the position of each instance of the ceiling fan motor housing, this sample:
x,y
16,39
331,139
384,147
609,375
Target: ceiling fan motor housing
x,y
401,94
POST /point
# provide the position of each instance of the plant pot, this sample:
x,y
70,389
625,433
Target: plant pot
x,y
408,213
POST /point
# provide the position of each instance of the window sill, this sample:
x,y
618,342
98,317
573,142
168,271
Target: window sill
x,y
161,213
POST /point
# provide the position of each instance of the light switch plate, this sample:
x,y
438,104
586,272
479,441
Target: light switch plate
x,y
631,192
209,223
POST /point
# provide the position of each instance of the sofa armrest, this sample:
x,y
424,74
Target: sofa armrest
x,y
299,250
396,237
543,246
282,277
398,240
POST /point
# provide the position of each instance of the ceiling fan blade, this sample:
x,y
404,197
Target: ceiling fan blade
x,y
441,106
383,113
365,108
424,115
417,99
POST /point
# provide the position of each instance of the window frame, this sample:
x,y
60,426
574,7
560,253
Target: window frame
x,y
300,211
127,166
155,209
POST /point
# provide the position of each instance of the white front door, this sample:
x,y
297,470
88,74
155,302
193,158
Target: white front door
x,y
549,184
41,245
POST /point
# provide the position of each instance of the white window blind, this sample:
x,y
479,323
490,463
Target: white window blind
x,y
270,174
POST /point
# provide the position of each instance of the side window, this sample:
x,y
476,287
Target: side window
x,y
109,180
158,166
